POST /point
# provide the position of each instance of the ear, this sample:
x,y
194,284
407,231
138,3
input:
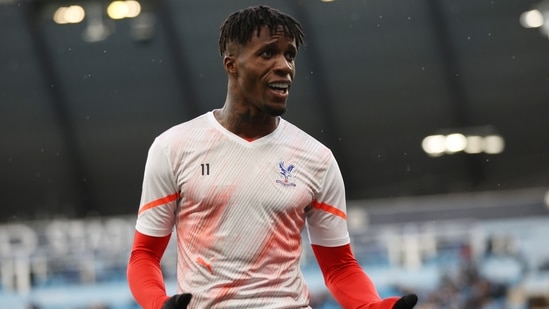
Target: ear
x,y
229,63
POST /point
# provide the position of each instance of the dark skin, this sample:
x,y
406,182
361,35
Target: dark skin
x,y
260,74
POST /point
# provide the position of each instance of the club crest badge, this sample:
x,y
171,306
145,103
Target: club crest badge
x,y
286,172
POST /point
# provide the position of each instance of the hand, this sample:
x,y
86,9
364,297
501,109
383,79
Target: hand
x,y
178,301
406,302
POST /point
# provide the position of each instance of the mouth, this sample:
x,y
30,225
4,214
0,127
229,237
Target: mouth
x,y
280,88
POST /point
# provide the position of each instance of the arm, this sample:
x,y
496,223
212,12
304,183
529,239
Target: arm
x,y
144,272
346,280
155,221
153,230
344,277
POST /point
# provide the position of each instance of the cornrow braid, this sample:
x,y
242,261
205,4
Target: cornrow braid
x,y
240,25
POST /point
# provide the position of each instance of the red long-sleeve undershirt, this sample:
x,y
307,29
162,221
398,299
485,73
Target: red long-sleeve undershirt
x,y
347,281
343,276
144,272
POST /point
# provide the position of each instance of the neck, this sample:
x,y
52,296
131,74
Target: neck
x,y
247,123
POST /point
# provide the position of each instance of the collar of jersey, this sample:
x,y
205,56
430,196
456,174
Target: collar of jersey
x,y
243,141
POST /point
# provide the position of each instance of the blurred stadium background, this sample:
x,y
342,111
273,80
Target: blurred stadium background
x,y
437,111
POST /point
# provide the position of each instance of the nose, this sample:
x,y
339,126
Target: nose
x,y
283,67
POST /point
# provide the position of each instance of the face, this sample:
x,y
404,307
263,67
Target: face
x,y
263,70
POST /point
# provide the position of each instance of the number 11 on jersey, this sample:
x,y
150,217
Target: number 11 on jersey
x,y
205,168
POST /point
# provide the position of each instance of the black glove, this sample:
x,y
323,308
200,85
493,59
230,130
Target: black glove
x,y
178,301
406,302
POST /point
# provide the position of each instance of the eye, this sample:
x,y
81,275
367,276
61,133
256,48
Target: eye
x,y
268,53
290,56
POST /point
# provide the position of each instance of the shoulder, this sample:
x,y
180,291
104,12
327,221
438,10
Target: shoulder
x,y
184,131
183,138
190,125
303,140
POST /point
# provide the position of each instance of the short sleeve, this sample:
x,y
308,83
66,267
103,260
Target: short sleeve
x,y
327,218
159,196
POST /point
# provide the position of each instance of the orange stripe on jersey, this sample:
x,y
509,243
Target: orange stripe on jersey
x,y
329,208
158,202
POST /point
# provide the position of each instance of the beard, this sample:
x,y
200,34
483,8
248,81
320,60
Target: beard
x,y
275,110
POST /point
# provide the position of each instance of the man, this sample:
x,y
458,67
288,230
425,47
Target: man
x,y
239,184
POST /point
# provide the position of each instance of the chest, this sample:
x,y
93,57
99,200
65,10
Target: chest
x,y
254,182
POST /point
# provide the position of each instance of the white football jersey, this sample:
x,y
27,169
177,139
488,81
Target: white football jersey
x,y
239,209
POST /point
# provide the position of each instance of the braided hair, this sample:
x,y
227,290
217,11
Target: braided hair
x,y
240,25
